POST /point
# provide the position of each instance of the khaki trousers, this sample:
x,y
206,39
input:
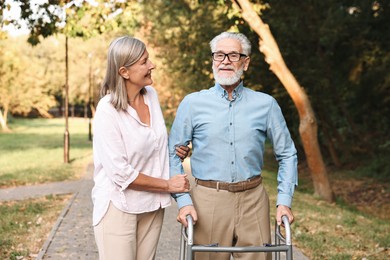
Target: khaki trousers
x,y
124,236
231,219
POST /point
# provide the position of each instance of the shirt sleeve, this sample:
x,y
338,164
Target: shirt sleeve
x,y
108,145
285,154
180,134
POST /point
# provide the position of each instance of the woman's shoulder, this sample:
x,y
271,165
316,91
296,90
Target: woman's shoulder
x,y
151,90
105,103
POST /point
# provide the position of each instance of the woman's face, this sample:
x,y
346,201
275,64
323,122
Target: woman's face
x,y
140,73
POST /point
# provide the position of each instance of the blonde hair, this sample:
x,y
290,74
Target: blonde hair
x,y
123,52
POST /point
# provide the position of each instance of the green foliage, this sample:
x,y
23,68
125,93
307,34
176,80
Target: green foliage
x,y
180,32
74,18
338,51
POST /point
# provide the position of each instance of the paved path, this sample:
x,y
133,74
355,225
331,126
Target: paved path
x,y
72,235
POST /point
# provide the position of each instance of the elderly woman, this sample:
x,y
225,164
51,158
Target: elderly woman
x,y
132,185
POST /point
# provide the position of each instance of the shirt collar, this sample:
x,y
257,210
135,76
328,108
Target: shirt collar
x,y
237,92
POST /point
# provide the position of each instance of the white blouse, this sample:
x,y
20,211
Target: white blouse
x,y
123,146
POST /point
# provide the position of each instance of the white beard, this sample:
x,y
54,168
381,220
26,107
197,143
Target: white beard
x,y
228,81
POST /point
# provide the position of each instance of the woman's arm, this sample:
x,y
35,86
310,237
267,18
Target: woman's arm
x,y
178,183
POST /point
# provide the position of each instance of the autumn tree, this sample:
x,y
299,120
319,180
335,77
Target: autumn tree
x,y
73,19
23,86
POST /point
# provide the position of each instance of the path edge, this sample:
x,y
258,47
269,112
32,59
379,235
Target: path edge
x,y
53,231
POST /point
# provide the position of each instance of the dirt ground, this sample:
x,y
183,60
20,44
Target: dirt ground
x,y
368,195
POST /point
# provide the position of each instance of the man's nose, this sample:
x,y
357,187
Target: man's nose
x,y
226,60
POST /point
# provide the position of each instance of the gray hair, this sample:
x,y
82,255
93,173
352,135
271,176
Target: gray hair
x,y
123,52
245,43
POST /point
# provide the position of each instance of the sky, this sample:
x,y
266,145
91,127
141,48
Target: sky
x,y
14,12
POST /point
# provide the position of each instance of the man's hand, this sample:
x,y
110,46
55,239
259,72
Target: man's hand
x,y
184,211
182,151
282,210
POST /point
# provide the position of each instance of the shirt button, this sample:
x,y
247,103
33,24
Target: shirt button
x,y
230,105
231,123
231,143
232,162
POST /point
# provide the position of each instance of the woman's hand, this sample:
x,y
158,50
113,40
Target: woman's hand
x,y
182,151
178,183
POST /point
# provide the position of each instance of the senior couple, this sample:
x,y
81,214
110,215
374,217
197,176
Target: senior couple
x,y
137,169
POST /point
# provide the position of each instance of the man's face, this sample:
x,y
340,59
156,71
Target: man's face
x,y
226,72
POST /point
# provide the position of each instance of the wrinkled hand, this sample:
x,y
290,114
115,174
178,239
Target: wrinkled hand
x,y
178,183
182,151
281,211
184,211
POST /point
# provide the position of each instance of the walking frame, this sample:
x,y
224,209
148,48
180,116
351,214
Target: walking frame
x,y
282,244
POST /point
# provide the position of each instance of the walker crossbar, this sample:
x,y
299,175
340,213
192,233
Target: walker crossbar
x,y
282,244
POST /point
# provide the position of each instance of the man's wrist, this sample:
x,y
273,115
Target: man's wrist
x,y
284,199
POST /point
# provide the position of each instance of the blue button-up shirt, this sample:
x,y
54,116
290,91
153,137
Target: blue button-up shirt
x,y
228,138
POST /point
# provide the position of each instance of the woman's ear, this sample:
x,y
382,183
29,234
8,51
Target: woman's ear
x,y
124,72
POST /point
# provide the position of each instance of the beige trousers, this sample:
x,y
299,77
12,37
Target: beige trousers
x,y
231,219
124,236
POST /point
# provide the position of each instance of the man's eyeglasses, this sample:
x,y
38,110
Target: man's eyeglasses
x,y
233,57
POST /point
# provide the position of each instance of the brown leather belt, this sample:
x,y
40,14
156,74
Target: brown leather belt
x,y
231,186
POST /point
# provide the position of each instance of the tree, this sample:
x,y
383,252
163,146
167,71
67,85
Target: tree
x,y
338,51
308,123
22,86
74,19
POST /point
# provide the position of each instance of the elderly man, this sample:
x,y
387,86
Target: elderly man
x,y
228,125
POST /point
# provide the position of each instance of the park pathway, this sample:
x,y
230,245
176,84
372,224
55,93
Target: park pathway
x,y
72,235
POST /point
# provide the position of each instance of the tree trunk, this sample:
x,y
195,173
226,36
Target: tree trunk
x,y
308,124
43,112
66,133
3,122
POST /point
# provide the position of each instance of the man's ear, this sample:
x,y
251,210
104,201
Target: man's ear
x,y
124,73
246,63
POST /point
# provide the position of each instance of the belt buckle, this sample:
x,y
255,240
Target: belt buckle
x,y
236,187
230,187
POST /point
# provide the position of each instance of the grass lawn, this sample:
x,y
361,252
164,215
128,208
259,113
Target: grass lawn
x,y
33,152
25,225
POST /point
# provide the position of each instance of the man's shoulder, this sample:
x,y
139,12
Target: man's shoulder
x,y
258,95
